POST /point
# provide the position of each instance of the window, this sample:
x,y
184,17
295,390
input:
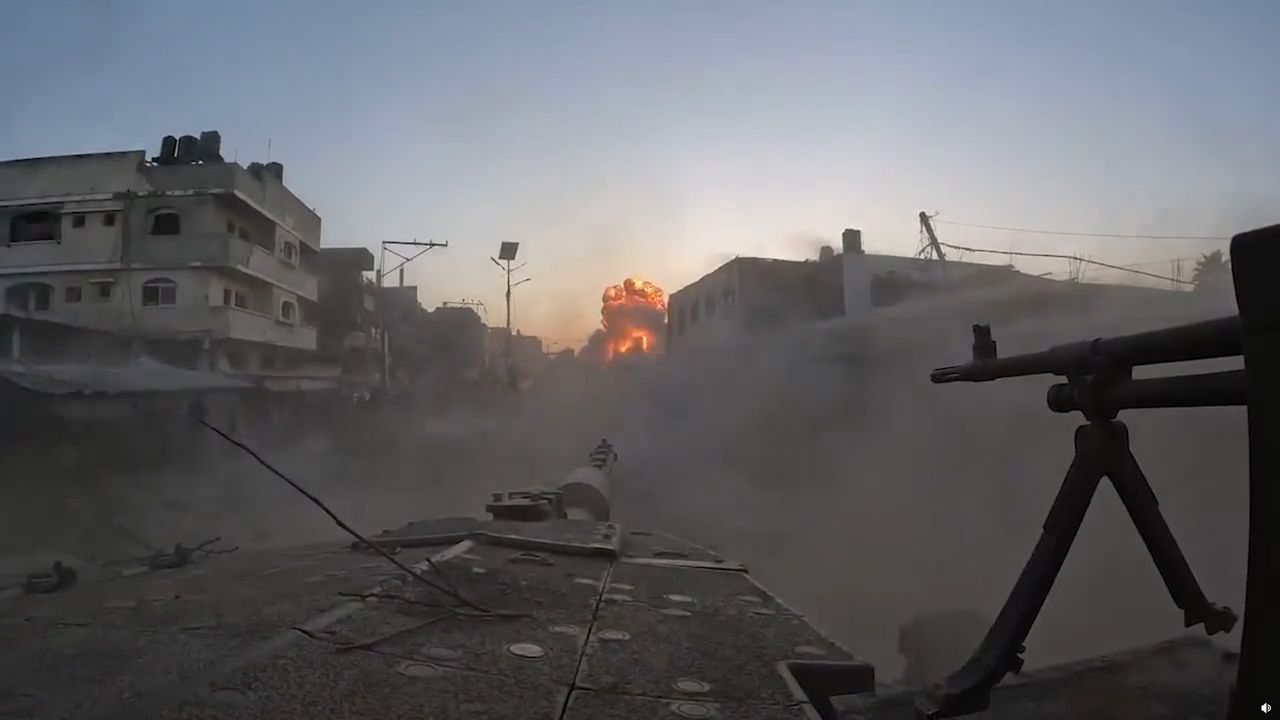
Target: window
x,y
231,227
104,289
693,312
226,296
109,220
244,234
890,288
77,221
28,297
288,311
159,292
241,300
711,305
290,252
38,226
166,222
72,294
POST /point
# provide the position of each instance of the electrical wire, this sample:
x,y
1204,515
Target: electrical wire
x,y
1031,231
1059,256
450,590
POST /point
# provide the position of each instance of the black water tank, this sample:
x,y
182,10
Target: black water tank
x,y
851,241
168,150
276,170
211,146
188,149
255,169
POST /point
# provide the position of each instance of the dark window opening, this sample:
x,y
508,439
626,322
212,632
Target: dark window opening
x,y
109,220
231,228
159,292
73,294
166,223
77,221
241,300
890,288
104,290
290,252
226,296
288,311
244,234
711,305
39,226
28,297
693,313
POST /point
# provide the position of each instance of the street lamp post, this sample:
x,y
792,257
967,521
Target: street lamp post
x,y
507,253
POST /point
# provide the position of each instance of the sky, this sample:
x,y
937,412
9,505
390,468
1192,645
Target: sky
x,y
659,139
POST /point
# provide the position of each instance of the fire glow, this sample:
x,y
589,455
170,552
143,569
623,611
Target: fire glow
x,y
633,315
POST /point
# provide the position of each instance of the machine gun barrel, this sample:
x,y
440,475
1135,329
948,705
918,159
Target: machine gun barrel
x,y
1180,343
1219,389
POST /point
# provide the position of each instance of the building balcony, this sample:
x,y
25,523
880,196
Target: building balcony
x,y
240,324
266,196
215,249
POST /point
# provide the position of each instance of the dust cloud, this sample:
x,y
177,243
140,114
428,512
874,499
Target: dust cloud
x,y
821,457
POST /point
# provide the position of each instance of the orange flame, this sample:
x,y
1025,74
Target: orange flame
x,y
631,315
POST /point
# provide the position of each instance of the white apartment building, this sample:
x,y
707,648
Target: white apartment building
x,y
207,263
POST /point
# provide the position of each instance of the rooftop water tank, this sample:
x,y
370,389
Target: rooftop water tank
x,y
188,149
851,241
211,146
168,150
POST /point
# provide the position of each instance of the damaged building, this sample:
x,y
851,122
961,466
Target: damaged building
x,y
751,294
755,294
200,262
349,328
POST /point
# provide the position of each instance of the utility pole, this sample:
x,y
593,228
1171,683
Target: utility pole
x,y
927,226
404,260
507,253
382,273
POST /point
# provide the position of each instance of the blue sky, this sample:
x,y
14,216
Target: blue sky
x,y
661,138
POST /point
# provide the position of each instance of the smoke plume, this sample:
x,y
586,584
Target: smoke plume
x,y
820,456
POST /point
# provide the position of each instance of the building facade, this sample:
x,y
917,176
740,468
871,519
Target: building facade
x,y
350,333
206,263
748,293
872,281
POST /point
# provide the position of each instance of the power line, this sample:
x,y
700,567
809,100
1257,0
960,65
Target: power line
x,y
1068,257
1080,234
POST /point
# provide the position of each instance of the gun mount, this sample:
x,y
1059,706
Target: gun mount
x,y
1099,384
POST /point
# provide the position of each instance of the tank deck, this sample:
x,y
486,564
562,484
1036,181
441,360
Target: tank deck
x,y
606,623
614,625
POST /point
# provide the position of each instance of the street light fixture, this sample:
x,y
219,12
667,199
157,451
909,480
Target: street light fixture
x,y
507,253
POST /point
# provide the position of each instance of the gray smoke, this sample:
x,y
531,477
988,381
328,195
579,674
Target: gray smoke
x,y
820,456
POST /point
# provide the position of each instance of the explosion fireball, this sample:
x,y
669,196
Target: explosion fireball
x,y
633,318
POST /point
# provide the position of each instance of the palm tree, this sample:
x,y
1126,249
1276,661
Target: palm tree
x,y
1212,270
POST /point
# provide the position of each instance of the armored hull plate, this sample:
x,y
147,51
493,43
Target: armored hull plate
x,y
580,620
